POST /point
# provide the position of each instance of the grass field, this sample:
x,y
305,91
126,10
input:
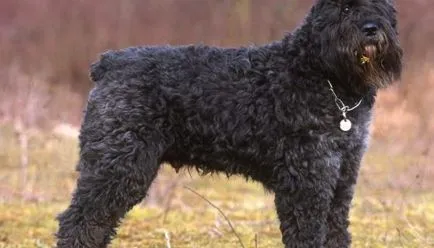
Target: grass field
x,y
394,204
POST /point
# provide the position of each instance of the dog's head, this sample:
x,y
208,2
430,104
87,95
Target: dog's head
x,y
358,40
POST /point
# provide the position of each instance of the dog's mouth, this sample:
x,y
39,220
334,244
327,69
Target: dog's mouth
x,y
369,51
367,54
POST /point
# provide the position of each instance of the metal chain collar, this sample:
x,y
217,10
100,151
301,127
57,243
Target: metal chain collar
x,y
340,104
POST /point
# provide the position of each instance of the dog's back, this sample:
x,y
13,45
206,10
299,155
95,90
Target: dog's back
x,y
171,63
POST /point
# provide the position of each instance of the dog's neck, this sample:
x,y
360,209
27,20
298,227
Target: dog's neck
x,y
350,96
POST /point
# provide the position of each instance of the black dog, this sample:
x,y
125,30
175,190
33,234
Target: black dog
x,y
293,115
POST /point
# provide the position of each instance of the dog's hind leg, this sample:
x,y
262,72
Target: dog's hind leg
x,y
115,174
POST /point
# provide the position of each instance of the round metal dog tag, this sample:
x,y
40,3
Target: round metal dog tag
x,y
345,125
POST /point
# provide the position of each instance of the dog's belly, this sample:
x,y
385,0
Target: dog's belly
x,y
221,155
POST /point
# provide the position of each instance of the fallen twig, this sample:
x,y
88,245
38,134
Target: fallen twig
x,y
166,237
221,212
256,240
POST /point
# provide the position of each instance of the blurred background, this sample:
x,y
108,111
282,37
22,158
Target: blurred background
x,y
46,47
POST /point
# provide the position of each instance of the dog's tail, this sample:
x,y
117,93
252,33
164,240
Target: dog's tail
x,y
99,68
112,61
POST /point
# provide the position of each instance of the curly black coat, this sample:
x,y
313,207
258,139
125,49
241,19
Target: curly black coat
x,y
264,112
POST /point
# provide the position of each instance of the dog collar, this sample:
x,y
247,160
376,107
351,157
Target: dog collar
x,y
345,124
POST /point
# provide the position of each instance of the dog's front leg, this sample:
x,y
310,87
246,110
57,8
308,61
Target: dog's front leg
x,y
302,196
337,221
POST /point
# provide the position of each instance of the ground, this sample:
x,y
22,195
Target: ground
x,y
393,206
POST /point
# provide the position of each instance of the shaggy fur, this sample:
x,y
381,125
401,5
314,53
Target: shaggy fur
x,y
264,112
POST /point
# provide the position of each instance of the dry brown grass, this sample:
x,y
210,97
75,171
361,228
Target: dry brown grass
x,y
393,207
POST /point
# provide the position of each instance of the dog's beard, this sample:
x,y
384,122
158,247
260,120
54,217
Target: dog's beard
x,y
379,60
376,62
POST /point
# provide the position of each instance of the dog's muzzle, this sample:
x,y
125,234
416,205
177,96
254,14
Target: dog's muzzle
x,y
374,38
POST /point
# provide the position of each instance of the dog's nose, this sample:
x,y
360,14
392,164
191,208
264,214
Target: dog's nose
x,y
370,28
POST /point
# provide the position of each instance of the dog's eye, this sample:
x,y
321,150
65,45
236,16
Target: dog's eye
x,y
346,9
